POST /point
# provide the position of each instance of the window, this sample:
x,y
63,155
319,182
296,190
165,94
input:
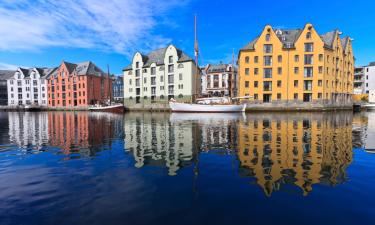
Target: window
x,y
267,60
144,80
170,60
320,83
255,59
153,70
130,83
137,65
320,69
153,90
296,83
320,57
308,35
170,79
309,59
19,83
255,84
170,68
161,79
137,83
267,85
279,58
319,95
268,37
295,96
278,96
247,59
246,84
296,58
307,85
267,48
279,70
137,73
279,83
161,88
153,80
267,73
256,71
180,66
308,72
309,47
170,89
256,96
180,76
247,71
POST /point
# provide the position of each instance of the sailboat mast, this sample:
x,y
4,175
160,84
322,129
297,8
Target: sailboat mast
x,y
232,77
196,54
109,86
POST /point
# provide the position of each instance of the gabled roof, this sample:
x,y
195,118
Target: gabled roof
x,y
217,68
157,56
6,74
344,42
250,45
84,68
288,36
328,38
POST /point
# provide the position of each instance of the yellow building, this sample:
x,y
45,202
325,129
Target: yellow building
x,y
297,68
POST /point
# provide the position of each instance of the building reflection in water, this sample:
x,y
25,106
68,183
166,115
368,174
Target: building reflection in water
x,y
298,149
28,129
83,132
301,149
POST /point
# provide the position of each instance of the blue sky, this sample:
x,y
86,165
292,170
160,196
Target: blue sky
x,y
45,32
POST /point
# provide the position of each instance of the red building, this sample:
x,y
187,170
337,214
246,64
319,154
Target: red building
x,y
78,85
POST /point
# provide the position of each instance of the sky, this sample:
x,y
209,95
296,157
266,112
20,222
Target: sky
x,y
43,33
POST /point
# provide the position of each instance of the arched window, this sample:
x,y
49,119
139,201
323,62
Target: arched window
x,y
161,96
247,59
268,37
308,35
131,98
180,66
145,97
180,96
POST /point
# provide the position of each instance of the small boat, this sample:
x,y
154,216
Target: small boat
x,y
32,108
370,106
117,108
217,108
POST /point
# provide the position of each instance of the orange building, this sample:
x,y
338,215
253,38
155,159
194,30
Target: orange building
x,y
78,85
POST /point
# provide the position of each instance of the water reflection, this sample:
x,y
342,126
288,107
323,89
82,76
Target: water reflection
x,y
275,149
298,149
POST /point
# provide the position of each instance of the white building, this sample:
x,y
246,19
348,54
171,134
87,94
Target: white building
x,y
28,87
369,74
217,80
159,76
359,81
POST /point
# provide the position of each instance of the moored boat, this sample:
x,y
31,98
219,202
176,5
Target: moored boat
x,y
117,108
217,108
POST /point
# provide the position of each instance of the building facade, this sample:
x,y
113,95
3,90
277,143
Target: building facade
x,y
153,79
359,81
297,68
4,76
28,87
78,85
118,89
369,76
219,80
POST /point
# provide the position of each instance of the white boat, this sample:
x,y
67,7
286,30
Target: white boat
x,y
369,106
108,108
225,108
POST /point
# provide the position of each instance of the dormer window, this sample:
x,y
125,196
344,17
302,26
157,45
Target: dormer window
x,y
308,35
137,65
170,59
18,75
268,37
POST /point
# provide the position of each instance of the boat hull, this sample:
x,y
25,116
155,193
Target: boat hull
x,y
111,108
184,107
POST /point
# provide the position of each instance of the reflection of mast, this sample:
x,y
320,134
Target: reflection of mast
x,y
109,86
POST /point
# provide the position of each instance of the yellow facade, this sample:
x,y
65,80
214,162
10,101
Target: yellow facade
x,y
300,66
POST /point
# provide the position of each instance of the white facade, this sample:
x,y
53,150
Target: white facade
x,y
216,80
28,87
359,81
163,74
369,74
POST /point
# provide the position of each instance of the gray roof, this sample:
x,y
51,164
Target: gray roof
x,y
6,74
84,68
344,42
217,68
289,36
157,56
371,64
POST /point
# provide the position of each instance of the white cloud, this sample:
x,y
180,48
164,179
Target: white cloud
x,y
6,66
111,25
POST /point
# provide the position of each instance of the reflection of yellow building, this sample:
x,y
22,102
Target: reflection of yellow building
x,y
303,149
298,66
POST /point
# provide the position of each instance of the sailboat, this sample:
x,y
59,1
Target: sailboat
x,y
217,104
110,107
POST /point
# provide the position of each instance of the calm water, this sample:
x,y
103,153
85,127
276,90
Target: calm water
x,y
97,168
